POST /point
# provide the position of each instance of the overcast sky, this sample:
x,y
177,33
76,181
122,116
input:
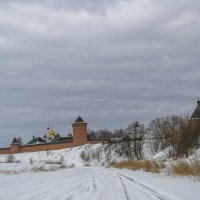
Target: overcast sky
x,y
109,61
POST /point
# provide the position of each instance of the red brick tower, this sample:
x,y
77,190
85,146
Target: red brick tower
x,y
79,132
15,146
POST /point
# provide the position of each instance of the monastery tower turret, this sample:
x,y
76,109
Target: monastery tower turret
x,y
79,132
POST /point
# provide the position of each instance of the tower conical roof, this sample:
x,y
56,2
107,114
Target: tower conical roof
x,y
15,141
196,113
79,120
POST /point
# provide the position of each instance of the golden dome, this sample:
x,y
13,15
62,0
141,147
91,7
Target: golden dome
x,y
52,132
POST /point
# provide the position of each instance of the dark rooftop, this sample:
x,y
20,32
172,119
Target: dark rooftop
x,y
15,141
36,140
60,139
79,120
196,113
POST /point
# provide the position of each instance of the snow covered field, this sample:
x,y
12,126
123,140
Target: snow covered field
x,y
29,180
85,183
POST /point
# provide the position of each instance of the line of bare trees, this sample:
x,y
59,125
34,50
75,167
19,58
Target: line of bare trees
x,y
180,135
128,141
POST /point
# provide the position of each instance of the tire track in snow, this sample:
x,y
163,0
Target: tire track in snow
x,y
44,185
87,189
133,192
50,192
124,188
94,184
78,184
145,188
73,194
68,193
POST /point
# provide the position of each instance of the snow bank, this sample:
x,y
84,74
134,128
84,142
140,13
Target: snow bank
x,y
93,155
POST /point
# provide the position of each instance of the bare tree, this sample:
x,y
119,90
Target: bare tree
x,y
133,139
189,136
179,134
164,132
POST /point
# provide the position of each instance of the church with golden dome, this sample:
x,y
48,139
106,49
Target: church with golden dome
x,y
49,135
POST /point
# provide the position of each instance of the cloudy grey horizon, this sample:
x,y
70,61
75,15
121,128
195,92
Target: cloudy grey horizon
x,y
111,62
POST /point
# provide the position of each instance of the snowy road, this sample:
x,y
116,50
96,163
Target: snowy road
x,y
79,184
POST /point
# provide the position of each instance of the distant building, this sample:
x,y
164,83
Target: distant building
x,y
53,141
36,140
50,135
196,113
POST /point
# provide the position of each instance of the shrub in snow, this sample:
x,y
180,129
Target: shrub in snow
x,y
48,153
44,168
87,165
10,158
64,166
96,155
108,154
85,156
184,168
59,161
31,161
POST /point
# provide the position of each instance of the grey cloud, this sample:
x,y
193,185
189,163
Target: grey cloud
x,y
111,62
